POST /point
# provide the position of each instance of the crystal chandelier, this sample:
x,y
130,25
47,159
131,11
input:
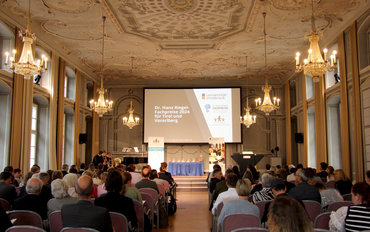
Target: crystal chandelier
x,y
248,119
131,120
267,105
314,65
26,64
102,105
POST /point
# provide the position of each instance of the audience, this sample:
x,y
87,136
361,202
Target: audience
x,y
73,169
84,213
231,180
323,174
220,188
278,189
217,177
11,171
135,176
23,188
46,189
59,189
164,175
82,168
282,174
154,177
130,191
240,205
251,173
35,169
18,175
330,171
356,217
7,191
328,195
342,183
265,194
65,169
291,176
287,214
114,201
101,188
32,200
145,182
56,175
304,191
71,180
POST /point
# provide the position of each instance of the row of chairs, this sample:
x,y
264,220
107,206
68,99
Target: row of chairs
x,y
313,208
37,229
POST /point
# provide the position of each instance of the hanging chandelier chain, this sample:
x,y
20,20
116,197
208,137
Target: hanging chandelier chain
x,y
313,18
29,33
264,37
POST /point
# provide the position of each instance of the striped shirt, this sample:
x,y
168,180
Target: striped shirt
x,y
358,218
264,195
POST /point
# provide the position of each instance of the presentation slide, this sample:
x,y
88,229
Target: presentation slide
x,y
192,115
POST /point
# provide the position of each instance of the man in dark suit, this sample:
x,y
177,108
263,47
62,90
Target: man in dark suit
x,y
84,213
7,191
304,191
32,201
145,182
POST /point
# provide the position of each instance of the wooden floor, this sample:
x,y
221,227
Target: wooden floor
x,y
192,213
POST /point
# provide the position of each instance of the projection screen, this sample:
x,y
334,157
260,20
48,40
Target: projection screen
x,y
192,115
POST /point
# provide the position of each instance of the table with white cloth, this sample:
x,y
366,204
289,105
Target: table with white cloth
x,y
186,168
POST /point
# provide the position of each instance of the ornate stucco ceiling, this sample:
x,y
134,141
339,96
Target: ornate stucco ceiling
x,y
190,40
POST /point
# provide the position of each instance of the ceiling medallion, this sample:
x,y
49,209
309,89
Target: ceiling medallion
x,y
181,5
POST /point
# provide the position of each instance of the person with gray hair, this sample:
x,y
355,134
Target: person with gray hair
x,y
84,213
59,189
240,205
71,180
304,191
265,194
32,201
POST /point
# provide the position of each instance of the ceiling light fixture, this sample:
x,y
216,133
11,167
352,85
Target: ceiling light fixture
x,y
267,105
102,105
248,119
130,121
26,64
314,65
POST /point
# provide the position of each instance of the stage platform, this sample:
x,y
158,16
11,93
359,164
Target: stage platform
x,y
191,183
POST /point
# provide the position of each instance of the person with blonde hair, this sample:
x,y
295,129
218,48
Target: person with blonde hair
x,y
286,214
71,181
240,205
342,183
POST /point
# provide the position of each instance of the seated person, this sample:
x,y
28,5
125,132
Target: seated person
x,y
342,184
135,176
220,188
304,191
32,200
7,191
287,214
84,213
328,195
114,201
265,194
231,180
145,182
59,189
240,205
355,217
217,177
129,191
164,175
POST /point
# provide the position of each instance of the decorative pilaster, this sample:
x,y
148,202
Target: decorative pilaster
x,y
320,122
95,128
76,156
344,125
60,118
288,126
358,154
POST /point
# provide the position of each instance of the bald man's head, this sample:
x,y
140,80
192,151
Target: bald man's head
x,y
34,186
84,186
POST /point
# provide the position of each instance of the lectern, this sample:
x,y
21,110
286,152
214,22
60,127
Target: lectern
x,y
244,160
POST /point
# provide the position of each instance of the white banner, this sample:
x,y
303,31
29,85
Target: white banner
x,y
155,152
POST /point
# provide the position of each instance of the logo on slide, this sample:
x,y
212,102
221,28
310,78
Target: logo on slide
x,y
203,96
207,107
219,119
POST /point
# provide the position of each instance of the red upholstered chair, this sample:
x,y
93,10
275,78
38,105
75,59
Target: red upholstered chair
x,y
235,221
25,217
336,205
119,222
250,229
330,184
55,221
261,206
322,221
312,208
5,204
149,204
215,217
25,229
139,210
78,229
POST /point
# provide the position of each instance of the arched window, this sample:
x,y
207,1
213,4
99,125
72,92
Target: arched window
x,y
70,84
40,133
334,136
311,137
6,43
